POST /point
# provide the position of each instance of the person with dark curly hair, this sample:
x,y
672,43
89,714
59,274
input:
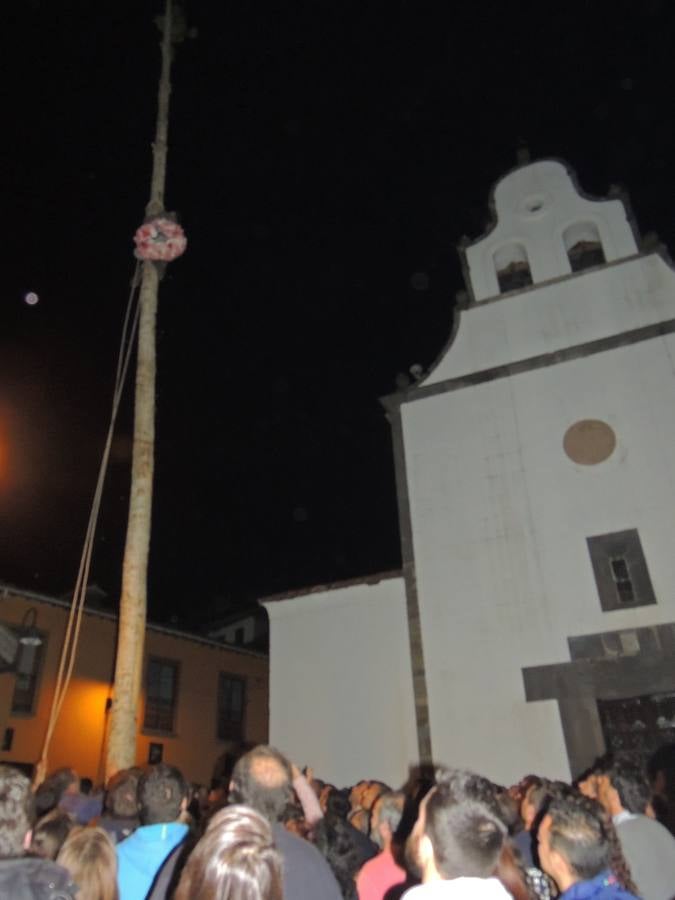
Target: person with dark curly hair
x,y
50,833
334,838
120,814
50,792
24,877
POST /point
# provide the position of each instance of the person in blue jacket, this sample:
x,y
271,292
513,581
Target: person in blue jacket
x,y
576,849
162,797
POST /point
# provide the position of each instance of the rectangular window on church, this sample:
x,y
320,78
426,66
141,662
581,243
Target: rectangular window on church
x,y
620,570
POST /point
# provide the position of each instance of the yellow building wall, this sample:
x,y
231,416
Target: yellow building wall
x,y
80,735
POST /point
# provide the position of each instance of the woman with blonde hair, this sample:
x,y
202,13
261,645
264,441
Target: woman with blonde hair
x,y
89,855
235,860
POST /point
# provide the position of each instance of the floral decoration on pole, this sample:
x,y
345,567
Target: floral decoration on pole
x,y
160,239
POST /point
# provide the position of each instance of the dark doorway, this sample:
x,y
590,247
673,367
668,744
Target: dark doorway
x,y
638,724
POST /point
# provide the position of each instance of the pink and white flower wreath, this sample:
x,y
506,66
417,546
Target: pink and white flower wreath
x,y
160,239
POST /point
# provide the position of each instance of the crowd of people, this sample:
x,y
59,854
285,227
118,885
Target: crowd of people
x,y
266,831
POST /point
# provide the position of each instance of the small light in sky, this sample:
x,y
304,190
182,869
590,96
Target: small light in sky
x,y
31,298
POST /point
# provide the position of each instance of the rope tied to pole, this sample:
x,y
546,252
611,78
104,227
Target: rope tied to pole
x,y
71,637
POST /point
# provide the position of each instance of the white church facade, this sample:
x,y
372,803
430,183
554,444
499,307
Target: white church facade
x,y
534,617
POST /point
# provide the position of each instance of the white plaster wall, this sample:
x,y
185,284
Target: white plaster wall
x,y
500,519
535,204
340,682
586,307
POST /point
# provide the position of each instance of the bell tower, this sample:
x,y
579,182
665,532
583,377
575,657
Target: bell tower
x,y
544,228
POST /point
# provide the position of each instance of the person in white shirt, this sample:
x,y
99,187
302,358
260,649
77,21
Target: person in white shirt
x,y
455,846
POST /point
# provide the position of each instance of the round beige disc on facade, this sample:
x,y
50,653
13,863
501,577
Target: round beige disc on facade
x,y
589,442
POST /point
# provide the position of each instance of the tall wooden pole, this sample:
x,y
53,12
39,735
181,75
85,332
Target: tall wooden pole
x,y
121,752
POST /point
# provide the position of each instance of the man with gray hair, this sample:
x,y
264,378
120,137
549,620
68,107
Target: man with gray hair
x,y
382,873
263,779
25,877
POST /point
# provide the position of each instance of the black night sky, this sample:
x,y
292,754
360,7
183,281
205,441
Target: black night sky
x,y
325,159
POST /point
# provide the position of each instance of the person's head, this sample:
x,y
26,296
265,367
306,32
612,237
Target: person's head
x,y
533,803
466,785
162,794
337,806
262,779
337,843
519,790
325,794
360,819
122,795
71,781
522,793
623,786
86,786
574,842
56,784
357,792
386,817
371,793
462,784
236,858
455,838
89,855
297,824
661,771
17,812
49,834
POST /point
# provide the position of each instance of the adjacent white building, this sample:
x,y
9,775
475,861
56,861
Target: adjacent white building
x,y
534,619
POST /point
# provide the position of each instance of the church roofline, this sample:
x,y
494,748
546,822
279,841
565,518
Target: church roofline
x,y
376,578
615,192
393,401
465,300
